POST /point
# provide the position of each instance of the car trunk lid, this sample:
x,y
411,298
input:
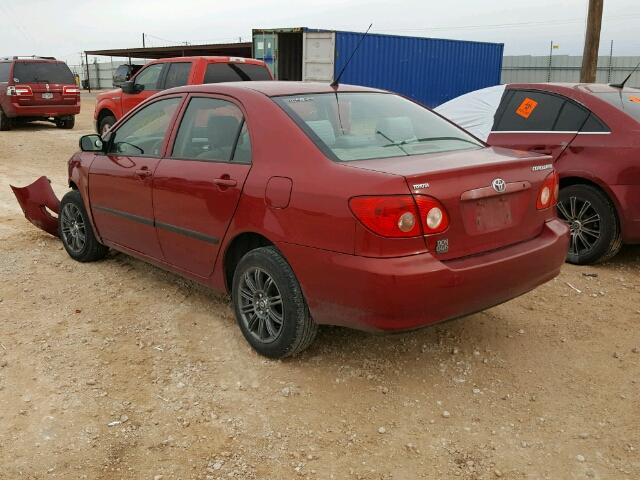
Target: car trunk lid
x,y
489,194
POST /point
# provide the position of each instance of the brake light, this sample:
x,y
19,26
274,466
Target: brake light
x,y
19,91
70,91
549,191
400,216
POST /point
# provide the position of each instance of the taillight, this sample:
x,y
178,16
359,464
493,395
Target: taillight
x,y
70,90
19,91
549,191
433,215
400,216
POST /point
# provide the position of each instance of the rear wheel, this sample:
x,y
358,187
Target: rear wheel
x,y
106,123
592,219
76,232
269,305
66,122
5,122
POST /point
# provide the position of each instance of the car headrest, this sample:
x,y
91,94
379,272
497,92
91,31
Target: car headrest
x,y
324,130
397,128
223,130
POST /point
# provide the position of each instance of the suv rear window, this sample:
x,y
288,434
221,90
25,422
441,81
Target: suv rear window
x,y
42,72
627,100
235,72
4,71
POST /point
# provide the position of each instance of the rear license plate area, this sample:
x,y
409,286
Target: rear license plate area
x,y
492,214
47,96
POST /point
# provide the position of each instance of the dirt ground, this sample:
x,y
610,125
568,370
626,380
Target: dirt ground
x,y
118,370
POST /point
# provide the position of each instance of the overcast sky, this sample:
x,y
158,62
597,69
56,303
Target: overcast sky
x,y
64,28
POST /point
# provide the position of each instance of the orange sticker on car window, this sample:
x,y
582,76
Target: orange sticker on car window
x,y
634,99
527,107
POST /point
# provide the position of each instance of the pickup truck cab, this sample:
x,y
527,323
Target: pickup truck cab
x,y
37,88
167,73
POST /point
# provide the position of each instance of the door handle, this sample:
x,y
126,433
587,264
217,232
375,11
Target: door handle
x,y
225,181
143,172
542,149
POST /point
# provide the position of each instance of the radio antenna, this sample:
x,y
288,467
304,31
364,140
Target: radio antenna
x,y
624,82
336,82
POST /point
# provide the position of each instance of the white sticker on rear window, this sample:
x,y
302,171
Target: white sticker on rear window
x,y
300,99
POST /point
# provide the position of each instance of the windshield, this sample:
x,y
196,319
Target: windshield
x,y
626,100
361,126
42,72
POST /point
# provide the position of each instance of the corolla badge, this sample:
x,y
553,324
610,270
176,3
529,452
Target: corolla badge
x,y
499,185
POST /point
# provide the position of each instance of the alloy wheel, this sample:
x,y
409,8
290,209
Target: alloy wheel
x,y
73,228
584,224
260,303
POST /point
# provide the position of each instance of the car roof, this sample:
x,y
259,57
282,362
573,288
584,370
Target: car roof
x,y
586,87
274,88
210,59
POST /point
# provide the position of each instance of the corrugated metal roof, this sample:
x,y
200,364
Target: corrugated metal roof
x,y
241,49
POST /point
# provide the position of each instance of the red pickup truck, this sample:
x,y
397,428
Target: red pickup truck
x,y
167,73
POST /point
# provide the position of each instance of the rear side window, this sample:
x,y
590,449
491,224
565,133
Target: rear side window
x,y
177,75
42,72
235,72
627,100
150,76
212,130
571,118
4,71
524,111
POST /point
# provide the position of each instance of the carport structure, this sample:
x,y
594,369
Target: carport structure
x,y
238,49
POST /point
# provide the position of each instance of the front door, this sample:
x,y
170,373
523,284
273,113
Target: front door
x,y
120,181
198,184
147,83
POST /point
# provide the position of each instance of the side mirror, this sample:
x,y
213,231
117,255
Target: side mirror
x,y
130,87
91,143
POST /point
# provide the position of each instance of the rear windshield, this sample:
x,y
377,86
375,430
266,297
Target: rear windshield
x,y
360,126
626,100
235,72
42,72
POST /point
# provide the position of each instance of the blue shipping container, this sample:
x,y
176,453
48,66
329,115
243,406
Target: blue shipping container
x,y
428,70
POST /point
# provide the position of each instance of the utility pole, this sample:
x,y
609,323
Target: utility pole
x,y
591,42
143,45
550,61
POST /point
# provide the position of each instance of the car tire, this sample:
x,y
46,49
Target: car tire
x,y
66,123
76,232
261,278
592,219
5,122
105,123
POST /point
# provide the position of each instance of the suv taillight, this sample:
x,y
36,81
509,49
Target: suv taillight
x,y
70,91
19,91
549,191
400,216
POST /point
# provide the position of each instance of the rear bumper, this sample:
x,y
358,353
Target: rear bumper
x,y
41,111
410,292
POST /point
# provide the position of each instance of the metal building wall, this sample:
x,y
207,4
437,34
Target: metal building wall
x,y
566,68
429,70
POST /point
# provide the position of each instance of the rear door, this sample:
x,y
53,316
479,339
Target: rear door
x,y
46,80
537,121
148,82
198,184
120,181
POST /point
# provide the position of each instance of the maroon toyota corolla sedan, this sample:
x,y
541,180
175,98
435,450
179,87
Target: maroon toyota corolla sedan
x,y
312,205
593,133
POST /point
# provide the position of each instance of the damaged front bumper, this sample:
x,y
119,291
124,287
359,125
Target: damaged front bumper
x,y
38,202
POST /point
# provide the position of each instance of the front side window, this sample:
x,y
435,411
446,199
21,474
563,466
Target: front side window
x,y
42,72
143,133
4,71
235,72
177,75
360,126
627,100
149,77
212,130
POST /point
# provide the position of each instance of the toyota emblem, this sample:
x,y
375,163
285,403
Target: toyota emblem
x,y
499,185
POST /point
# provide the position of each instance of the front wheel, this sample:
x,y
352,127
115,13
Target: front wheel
x,y
592,220
76,232
269,305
